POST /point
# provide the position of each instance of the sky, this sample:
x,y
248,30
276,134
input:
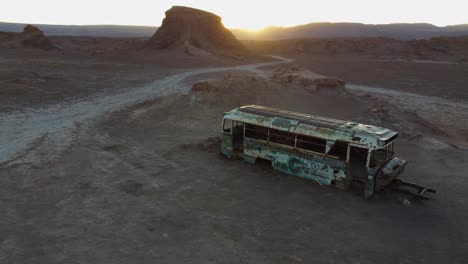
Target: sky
x,y
246,14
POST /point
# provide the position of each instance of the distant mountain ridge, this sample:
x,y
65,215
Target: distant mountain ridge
x,y
85,30
401,31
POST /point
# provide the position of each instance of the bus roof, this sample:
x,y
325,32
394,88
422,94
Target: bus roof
x,y
368,136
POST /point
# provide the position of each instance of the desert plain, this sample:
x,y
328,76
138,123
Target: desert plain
x,y
109,150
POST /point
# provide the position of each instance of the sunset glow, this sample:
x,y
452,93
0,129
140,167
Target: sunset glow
x,y
251,15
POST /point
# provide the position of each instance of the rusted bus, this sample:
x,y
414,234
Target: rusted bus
x,y
329,151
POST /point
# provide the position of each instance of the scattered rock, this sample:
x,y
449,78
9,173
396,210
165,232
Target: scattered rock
x,y
35,38
203,86
405,202
32,30
95,53
293,259
113,147
211,144
329,82
132,187
293,75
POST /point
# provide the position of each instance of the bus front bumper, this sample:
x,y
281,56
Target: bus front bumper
x,y
393,168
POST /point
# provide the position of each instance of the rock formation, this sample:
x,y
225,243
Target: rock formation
x,y
195,31
35,38
32,30
301,78
31,37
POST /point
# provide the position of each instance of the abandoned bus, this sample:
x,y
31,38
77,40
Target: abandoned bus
x,y
329,151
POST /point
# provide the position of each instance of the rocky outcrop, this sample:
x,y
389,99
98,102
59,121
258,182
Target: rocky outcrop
x,y
31,37
296,77
203,87
32,30
195,31
35,38
329,82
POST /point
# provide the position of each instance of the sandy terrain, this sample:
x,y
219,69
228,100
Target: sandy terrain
x,y
24,129
125,168
109,148
441,79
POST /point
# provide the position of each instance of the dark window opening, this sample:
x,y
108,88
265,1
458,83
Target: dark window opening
x,y
256,132
339,150
359,154
227,124
282,137
377,157
380,156
357,163
237,135
311,143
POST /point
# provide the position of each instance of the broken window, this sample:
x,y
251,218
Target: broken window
x,y
380,156
339,149
227,124
311,143
282,137
256,132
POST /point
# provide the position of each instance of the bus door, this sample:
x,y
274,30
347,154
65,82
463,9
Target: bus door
x,y
357,163
237,137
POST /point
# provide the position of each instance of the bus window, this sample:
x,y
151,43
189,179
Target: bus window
x,y
311,143
282,137
380,156
339,150
227,124
256,132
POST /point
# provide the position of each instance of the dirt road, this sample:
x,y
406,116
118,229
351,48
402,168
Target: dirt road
x,y
53,127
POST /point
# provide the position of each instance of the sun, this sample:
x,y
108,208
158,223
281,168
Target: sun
x,y
254,26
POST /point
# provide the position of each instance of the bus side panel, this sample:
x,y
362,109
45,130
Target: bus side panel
x,y
324,170
258,149
310,166
226,144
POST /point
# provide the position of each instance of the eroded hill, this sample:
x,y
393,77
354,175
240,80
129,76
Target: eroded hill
x,y
195,32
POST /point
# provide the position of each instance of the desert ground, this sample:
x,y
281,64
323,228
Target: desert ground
x,y
124,166
111,154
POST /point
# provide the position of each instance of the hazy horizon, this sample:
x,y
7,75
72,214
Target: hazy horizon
x,y
266,27
255,15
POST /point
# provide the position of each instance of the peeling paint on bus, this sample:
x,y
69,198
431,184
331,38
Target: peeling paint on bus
x,y
310,166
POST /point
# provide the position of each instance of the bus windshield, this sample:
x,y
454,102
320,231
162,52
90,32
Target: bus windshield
x,y
380,156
